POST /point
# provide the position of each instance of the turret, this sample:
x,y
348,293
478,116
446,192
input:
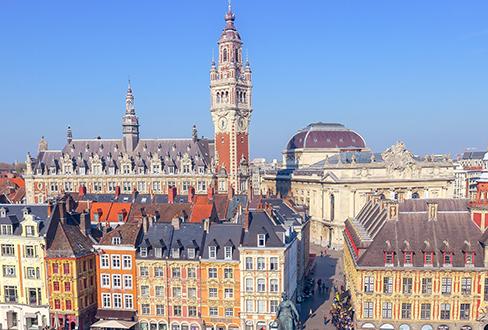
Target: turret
x,y
130,123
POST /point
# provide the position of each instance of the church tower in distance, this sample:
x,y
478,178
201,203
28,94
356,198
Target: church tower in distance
x,y
231,106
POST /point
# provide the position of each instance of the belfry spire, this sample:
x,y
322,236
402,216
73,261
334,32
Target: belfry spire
x,y
130,122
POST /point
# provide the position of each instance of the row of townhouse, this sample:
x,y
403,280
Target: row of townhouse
x,y
48,272
186,276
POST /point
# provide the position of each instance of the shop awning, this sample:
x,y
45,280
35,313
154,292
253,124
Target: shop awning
x,y
113,324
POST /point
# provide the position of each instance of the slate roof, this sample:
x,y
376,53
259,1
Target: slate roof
x,y
130,233
473,155
453,229
15,215
221,235
133,198
261,223
83,152
189,235
158,235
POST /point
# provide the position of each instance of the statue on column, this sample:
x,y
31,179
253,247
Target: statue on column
x,y
287,316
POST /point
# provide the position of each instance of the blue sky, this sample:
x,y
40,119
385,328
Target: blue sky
x,y
412,70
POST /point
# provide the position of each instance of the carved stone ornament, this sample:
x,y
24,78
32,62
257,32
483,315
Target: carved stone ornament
x,y
398,158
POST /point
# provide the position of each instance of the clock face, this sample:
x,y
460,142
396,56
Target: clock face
x,y
242,123
223,123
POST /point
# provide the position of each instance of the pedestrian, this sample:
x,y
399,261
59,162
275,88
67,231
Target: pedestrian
x,y
310,313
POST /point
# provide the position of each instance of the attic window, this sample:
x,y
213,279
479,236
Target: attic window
x,y
3,212
468,258
116,240
143,252
212,252
29,230
447,259
121,217
175,253
228,252
261,240
158,252
389,258
6,229
191,253
428,258
407,258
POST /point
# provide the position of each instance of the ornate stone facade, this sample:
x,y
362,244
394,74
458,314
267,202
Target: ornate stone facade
x,y
337,187
153,165
231,106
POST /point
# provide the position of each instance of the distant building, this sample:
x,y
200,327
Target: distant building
x,y
416,264
469,168
336,187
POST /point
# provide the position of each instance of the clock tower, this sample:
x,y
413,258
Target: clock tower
x,y
231,106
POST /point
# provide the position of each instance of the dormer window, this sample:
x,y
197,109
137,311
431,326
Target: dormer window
x,y
111,170
143,252
447,259
81,170
201,169
389,258
96,169
116,240
6,229
171,170
121,217
228,252
155,169
428,258
191,253
29,230
3,212
126,169
261,240
407,258
175,253
158,252
186,168
468,258
212,252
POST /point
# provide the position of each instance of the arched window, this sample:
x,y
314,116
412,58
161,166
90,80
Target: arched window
x,y
244,98
218,97
227,97
415,195
237,55
225,55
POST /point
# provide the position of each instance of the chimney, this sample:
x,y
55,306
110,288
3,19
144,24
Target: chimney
x,y
247,219
175,222
117,192
85,223
432,208
210,193
191,194
62,211
145,224
392,210
230,193
172,195
82,190
49,208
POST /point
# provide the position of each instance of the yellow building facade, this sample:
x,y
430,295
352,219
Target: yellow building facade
x,y
423,269
23,292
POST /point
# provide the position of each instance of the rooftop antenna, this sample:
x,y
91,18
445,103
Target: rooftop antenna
x,y
229,4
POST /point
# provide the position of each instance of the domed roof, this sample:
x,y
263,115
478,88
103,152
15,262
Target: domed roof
x,y
326,136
